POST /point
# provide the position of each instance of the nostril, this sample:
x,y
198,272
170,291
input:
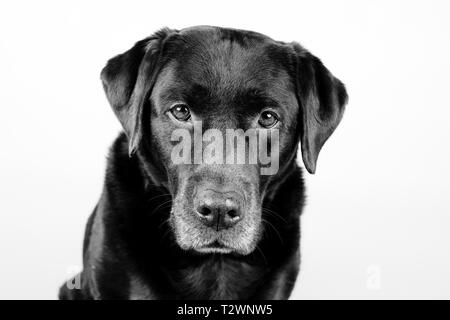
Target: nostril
x,y
216,210
232,213
204,210
230,218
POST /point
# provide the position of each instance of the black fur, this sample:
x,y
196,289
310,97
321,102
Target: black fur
x,y
130,250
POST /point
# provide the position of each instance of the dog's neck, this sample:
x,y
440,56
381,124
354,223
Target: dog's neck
x,y
217,277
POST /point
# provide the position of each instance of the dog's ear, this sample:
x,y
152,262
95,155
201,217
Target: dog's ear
x,y
128,80
322,99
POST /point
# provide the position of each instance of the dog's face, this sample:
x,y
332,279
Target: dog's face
x,y
220,84
189,96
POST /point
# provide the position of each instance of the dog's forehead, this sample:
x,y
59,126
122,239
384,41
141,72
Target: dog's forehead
x,y
224,65
226,58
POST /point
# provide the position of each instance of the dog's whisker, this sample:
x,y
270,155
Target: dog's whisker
x,y
273,213
159,196
161,206
166,233
262,254
163,223
161,209
275,229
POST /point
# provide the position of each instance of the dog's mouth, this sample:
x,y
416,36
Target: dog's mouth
x,y
194,237
215,247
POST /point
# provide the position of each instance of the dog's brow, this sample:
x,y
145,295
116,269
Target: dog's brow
x,y
198,96
168,96
255,99
193,95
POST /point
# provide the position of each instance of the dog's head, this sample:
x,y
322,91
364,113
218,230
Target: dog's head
x,y
218,115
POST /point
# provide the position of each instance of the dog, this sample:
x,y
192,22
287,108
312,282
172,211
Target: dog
x,y
204,230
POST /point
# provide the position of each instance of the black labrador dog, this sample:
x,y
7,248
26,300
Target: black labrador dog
x,y
205,230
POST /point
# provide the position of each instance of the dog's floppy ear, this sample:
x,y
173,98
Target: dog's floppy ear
x,y
322,99
128,79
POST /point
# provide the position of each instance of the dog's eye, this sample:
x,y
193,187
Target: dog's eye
x,y
181,112
268,119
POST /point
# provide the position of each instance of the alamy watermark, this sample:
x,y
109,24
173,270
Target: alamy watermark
x,y
236,146
74,282
373,280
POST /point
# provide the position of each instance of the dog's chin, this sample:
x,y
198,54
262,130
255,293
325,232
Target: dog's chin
x,y
215,247
200,244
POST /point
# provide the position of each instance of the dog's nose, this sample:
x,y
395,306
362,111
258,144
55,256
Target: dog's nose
x,y
218,210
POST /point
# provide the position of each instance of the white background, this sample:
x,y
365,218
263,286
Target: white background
x,y
377,223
